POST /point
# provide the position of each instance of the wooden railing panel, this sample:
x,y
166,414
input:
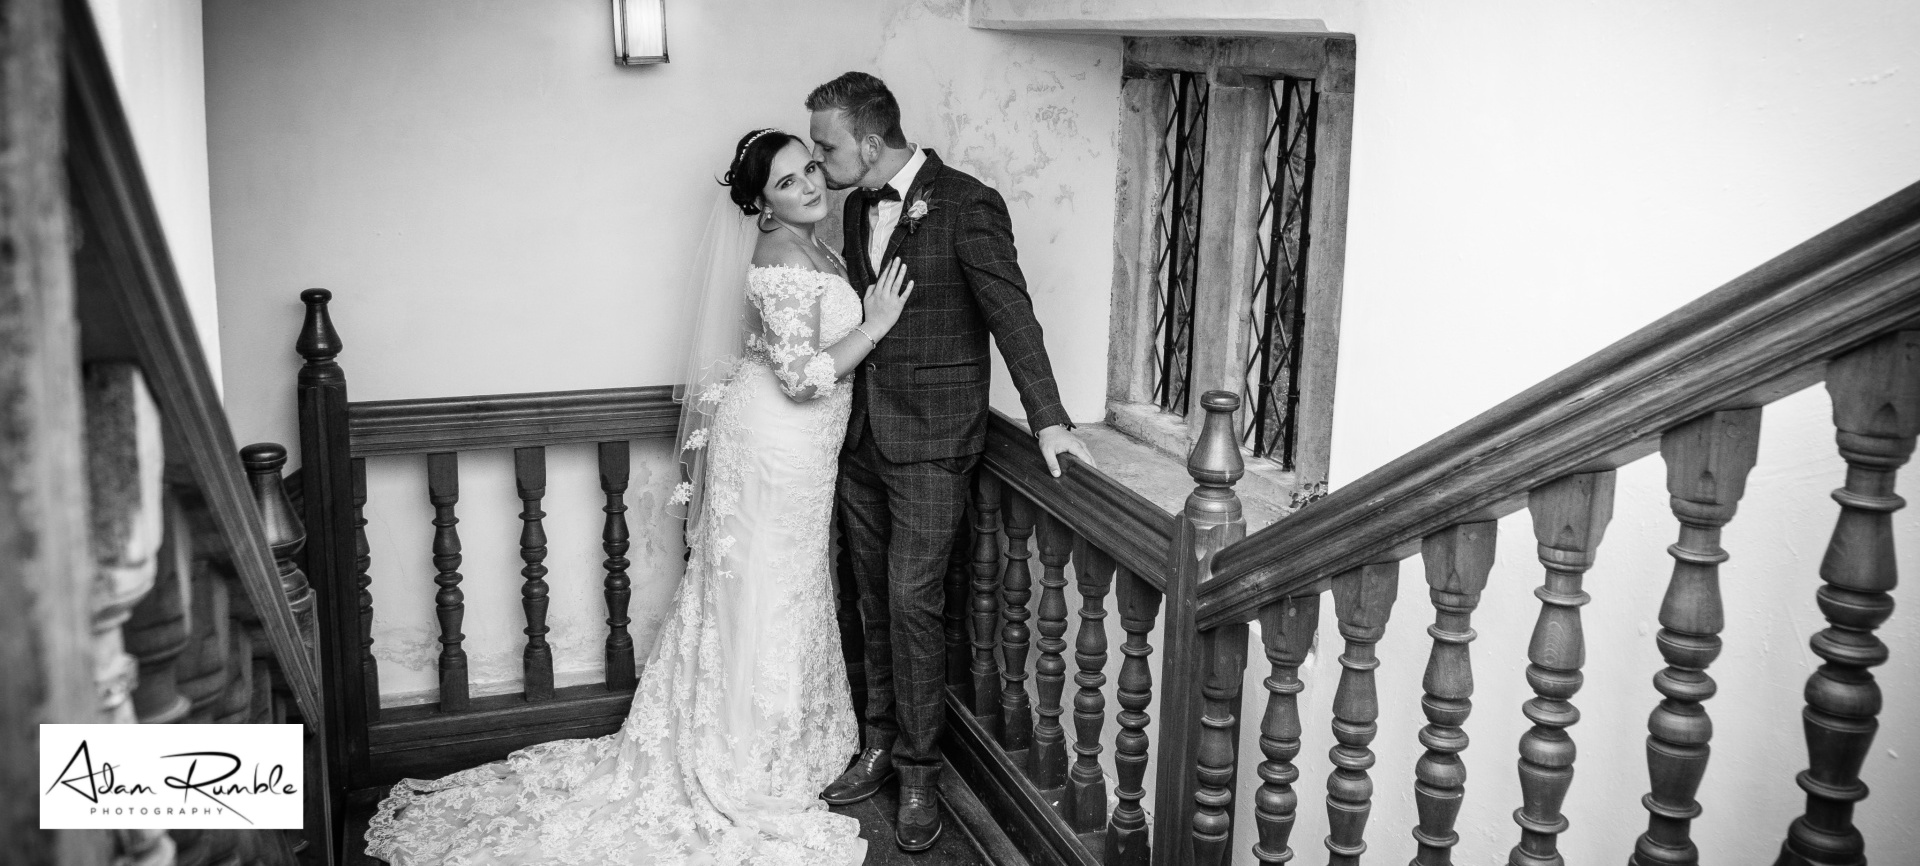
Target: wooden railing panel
x,y
1109,515
1740,345
421,426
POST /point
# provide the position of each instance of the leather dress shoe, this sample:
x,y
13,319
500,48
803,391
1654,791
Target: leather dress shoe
x,y
862,780
919,823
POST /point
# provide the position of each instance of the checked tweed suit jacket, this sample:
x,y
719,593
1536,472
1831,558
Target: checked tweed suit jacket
x,y
923,389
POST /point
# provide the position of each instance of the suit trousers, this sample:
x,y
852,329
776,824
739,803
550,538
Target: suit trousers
x,y
899,522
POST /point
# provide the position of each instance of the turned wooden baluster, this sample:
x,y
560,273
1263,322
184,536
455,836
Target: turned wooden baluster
x,y
1016,719
1086,798
156,632
1876,408
1707,463
1569,517
124,459
1457,561
285,537
443,490
954,614
1223,660
205,667
1193,811
618,588
530,481
236,703
985,670
363,584
1047,762
1362,600
1286,629
1127,841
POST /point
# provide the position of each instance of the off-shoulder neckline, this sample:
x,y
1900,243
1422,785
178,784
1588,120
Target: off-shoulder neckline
x,y
801,268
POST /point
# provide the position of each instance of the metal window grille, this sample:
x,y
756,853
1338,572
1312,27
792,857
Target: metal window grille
x,y
1271,389
1183,151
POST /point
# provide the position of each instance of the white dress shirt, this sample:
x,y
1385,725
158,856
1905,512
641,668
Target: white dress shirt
x,y
886,214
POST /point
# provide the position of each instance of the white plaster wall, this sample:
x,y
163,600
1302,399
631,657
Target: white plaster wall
x,y
155,50
1036,118
497,207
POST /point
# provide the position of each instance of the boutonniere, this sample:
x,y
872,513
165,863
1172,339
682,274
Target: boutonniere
x,y
916,212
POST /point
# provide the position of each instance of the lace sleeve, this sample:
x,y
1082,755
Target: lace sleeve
x,y
789,304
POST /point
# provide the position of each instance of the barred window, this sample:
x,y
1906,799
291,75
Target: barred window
x,y
1271,392
1229,241
1183,160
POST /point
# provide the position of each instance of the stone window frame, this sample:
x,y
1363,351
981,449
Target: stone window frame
x,y
1239,71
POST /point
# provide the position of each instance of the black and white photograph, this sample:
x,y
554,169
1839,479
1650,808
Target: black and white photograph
x,y
958,432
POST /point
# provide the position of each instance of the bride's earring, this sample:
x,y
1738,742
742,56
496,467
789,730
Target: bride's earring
x,y
763,219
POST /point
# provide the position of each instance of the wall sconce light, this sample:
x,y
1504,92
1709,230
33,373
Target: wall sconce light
x,y
639,32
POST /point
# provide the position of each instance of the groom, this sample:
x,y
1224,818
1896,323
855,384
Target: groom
x,y
919,419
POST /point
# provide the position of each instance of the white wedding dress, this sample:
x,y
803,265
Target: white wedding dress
x,y
742,714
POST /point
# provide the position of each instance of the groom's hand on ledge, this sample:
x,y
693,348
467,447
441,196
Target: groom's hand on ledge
x,y
1057,440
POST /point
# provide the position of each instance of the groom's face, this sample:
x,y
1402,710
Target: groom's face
x,y
842,157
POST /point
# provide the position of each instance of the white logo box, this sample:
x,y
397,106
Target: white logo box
x,y
171,776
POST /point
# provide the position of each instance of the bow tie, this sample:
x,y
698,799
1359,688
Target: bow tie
x,y
874,196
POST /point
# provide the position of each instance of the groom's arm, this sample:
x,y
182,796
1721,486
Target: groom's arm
x,y
983,244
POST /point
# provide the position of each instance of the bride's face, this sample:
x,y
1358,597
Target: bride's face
x,y
796,192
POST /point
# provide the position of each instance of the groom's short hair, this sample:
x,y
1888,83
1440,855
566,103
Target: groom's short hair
x,y
867,103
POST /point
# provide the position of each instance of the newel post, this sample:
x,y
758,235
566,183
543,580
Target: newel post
x,y
1199,725
327,497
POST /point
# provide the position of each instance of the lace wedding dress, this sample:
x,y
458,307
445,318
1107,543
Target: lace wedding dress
x,y
742,714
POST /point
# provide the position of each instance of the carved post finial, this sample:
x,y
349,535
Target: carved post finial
x,y
1215,459
319,343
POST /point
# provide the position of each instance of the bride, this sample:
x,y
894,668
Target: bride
x,y
742,714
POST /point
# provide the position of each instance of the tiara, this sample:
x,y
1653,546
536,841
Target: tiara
x,y
756,137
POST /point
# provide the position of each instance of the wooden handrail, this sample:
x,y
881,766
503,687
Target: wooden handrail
x,y
1109,515
132,264
388,427
1760,337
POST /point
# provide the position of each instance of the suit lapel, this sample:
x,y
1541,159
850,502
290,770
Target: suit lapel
x,y
863,242
915,190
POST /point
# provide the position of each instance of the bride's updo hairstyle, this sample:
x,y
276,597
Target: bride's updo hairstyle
x,y
752,162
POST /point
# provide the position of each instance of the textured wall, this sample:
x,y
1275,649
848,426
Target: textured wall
x,y
497,207
1037,119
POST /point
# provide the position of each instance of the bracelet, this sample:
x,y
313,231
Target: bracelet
x,y
870,339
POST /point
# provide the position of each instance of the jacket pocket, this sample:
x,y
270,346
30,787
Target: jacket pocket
x,y
946,374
